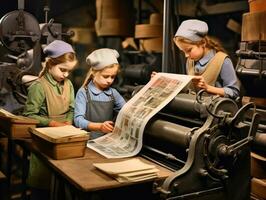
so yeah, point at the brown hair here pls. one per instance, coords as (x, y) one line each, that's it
(51, 62)
(93, 71)
(210, 42)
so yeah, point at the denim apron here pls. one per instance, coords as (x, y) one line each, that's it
(99, 111)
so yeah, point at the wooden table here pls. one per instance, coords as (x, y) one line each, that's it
(78, 171)
(14, 127)
(84, 181)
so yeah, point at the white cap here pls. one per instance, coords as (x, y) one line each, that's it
(57, 48)
(101, 58)
(192, 29)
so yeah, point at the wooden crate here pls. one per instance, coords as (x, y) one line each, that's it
(61, 149)
(17, 127)
(258, 188)
(258, 166)
(253, 27)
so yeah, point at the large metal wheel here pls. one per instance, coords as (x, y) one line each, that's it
(19, 31)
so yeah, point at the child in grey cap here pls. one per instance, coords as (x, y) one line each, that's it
(96, 101)
(207, 61)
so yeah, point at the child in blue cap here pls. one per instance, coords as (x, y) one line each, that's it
(207, 61)
(96, 101)
(50, 101)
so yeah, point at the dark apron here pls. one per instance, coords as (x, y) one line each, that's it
(99, 111)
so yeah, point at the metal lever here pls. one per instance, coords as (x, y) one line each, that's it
(55, 34)
(11, 56)
(49, 27)
(239, 116)
(232, 149)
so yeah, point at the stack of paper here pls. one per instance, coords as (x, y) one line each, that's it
(61, 133)
(131, 170)
(7, 114)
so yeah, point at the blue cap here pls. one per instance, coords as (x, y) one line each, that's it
(192, 29)
(57, 48)
(102, 58)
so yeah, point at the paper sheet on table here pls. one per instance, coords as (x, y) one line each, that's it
(132, 165)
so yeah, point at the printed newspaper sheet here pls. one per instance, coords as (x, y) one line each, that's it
(126, 139)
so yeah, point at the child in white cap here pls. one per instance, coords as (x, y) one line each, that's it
(206, 59)
(50, 101)
(96, 101)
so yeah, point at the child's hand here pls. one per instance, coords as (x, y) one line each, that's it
(199, 82)
(107, 127)
(56, 124)
(68, 123)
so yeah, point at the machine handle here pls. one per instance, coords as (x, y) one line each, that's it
(55, 34)
(230, 150)
(239, 116)
(49, 27)
(11, 56)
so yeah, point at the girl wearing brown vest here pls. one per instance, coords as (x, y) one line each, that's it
(212, 69)
(51, 102)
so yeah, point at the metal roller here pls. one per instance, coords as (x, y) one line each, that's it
(169, 132)
(186, 105)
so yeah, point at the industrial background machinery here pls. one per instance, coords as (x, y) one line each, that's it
(23, 36)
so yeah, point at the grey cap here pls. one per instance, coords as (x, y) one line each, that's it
(57, 48)
(101, 58)
(192, 29)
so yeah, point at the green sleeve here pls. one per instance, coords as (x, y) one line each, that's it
(70, 113)
(34, 105)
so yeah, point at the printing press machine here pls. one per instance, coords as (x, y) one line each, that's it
(205, 141)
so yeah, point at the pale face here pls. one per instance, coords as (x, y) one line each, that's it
(191, 51)
(61, 71)
(103, 79)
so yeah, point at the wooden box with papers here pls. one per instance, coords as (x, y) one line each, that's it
(60, 142)
(15, 126)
